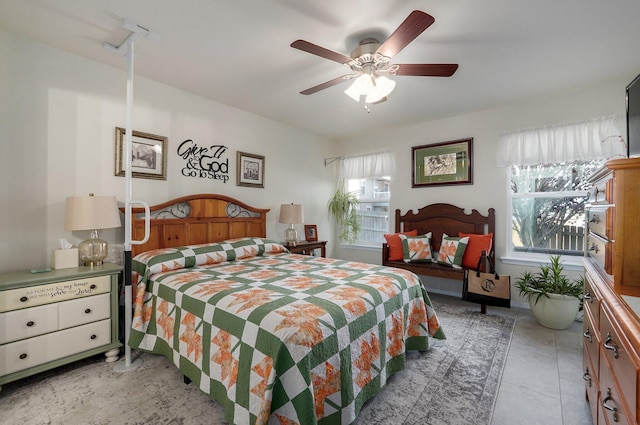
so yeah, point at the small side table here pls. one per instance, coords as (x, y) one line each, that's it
(306, 248)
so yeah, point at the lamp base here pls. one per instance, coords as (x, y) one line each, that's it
(93, 250)
(291, 236)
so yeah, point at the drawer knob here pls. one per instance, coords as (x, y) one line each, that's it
(609, 346)
(595, 219)
(587, 377)
(610, 408)
(94, 336)
(24, 299)
(594, 248)
(23, 356)
(587, 334)
(31, 323)
(93, 286)
(87, 311)
(588, 297)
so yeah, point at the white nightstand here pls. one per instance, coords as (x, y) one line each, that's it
(57, 317)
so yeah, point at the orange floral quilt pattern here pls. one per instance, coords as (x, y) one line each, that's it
(278, 337)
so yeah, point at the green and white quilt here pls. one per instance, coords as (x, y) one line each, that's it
(275, 337)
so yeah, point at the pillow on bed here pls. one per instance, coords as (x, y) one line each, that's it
(395, 244)
(477, 244)
(163, 260)
(416, 249)
(452, 250)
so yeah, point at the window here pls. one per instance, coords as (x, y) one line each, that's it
(368, 177)
(548, 168)
(547, 207)
(373, 209)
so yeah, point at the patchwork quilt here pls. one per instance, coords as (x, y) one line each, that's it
(276, 337)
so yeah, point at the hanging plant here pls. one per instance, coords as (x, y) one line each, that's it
(343, 207)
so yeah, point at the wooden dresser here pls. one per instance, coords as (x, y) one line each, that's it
(53, 318)
(611, 356)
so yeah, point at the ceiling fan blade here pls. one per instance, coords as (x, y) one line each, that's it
(314, 49)
(427, 70)
(409, 29)
(327, 84)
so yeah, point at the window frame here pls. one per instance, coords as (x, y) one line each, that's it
(364, 244)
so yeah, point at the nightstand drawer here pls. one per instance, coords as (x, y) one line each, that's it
(45, 348)
(25, 323)
(30, 296)
(84, 310)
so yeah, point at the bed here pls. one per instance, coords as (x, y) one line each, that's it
(275, 337)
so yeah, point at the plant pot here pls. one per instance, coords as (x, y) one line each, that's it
(556, 312)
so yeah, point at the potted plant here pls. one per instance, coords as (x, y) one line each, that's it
(343, 207)
(554, 298)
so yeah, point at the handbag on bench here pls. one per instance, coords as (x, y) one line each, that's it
(486, 288)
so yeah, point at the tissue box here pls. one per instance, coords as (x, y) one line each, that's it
(65, 258)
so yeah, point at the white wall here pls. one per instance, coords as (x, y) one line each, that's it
(489, 182)
(58, 119)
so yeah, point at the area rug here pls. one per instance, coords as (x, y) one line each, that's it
(455, 383)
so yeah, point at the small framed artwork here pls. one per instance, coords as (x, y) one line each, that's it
(148, 155)
(250, 170)
(310, 232)
(443, 163)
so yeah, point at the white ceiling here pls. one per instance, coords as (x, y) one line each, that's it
(237, 51)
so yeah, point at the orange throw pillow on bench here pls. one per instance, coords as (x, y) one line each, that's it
(477, 244)
(395, 245)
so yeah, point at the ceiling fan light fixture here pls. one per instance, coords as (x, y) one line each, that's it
(382, 87)
(361, 86)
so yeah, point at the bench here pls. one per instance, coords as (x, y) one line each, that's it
(439, 219)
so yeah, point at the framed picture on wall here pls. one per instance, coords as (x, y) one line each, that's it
(148, 155)
(310, 232)
(250, 170)
(443, 163)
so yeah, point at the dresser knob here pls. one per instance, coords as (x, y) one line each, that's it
(94, 336)
(93, 286)
(23, 356)
(587, 377)
(87, 311)
(24, 299)
(612, 347)
(587, 334)
(31, 323)
(610, 408)
(594, 248)
(588, 297)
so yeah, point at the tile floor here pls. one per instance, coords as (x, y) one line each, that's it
(542, 380)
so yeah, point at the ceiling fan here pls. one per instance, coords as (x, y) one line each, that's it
(370, 62)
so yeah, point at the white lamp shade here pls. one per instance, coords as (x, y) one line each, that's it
(91, 213)
(291, 214)
(383, 87)
(360, 87)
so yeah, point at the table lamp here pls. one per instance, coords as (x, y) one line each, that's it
(291, 214)
(92, 213)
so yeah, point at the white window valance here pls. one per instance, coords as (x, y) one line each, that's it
(370, 165)
(598, 138)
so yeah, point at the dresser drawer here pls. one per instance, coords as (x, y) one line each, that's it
(28, 322)
(591, 383)
(615, 349)
(601, 250)
(30, 296)
(591, 300)
(591, 340)
(611, 396)
(31, 352)
(602, 191)
(84, 310)
(601, 221)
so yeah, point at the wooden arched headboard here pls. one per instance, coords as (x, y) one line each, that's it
(197, 219)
